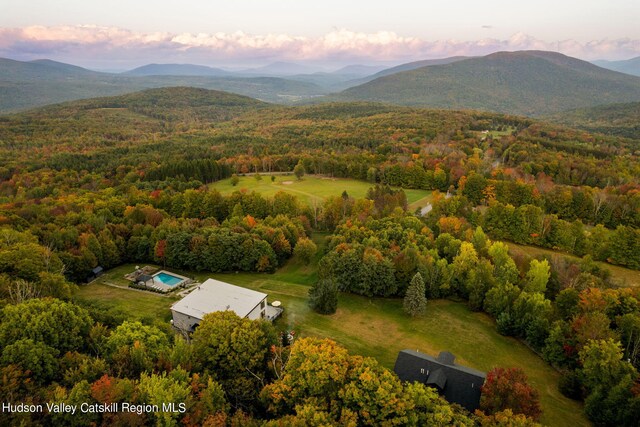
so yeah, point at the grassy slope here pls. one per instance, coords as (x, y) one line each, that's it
(311, 187)
(373, 327)
(379, 328)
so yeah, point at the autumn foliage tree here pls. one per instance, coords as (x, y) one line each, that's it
(304, 250)
(508, 388)
(235, 352)
(324, 385)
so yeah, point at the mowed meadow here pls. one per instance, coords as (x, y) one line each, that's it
(311, 187)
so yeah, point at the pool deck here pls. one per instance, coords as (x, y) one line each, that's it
(163, 287)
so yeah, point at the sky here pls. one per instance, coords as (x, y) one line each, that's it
(125, 33)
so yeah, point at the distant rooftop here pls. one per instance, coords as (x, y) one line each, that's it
(214, 295)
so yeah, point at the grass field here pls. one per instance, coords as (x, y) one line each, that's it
(313, 187)
(373, 327)
(379, 328)
(620, 275)
(110, 290)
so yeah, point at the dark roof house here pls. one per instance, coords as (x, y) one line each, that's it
(458, 384)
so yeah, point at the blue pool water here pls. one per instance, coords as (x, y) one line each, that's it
(167, 279)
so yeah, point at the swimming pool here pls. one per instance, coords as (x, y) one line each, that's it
(168, 279)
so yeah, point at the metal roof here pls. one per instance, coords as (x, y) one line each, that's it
(214, 295)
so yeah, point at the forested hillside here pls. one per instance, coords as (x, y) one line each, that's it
(615, 119)
(126, 179)
(530, 83)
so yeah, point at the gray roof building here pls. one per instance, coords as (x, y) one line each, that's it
(144, 278)
(214, 295)
(458, 384)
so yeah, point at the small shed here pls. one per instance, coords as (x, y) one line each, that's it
(95, 273)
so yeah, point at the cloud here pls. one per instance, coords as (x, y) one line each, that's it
(87, 43)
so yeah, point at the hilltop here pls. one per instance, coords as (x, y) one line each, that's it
(176, 70)
(158, 100)
(530, 83)
(416, 64)
(133, 117)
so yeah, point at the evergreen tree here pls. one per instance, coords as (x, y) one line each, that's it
(323, 296)
(415, 301)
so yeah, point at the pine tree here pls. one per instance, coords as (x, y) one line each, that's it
(415, 301)
(323, 296)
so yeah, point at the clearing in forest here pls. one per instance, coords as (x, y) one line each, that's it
(312, 187)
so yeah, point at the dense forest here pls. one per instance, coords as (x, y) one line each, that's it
(107, 181)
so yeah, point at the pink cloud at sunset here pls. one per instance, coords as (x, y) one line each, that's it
(89, 43)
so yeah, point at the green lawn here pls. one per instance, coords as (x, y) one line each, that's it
(379, 328)
(110, 290)
(373, 327)
(312, 187)
(620, 275)
(140, 305)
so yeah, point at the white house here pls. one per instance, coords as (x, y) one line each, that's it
(214, 295)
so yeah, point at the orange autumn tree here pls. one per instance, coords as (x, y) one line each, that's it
(508, 388)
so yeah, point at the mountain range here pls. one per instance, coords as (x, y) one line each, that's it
(333, 81)
(629, 66)
(25, 85)
(531, 83)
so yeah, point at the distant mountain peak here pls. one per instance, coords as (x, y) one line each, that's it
(176, 70)
(522, 82)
